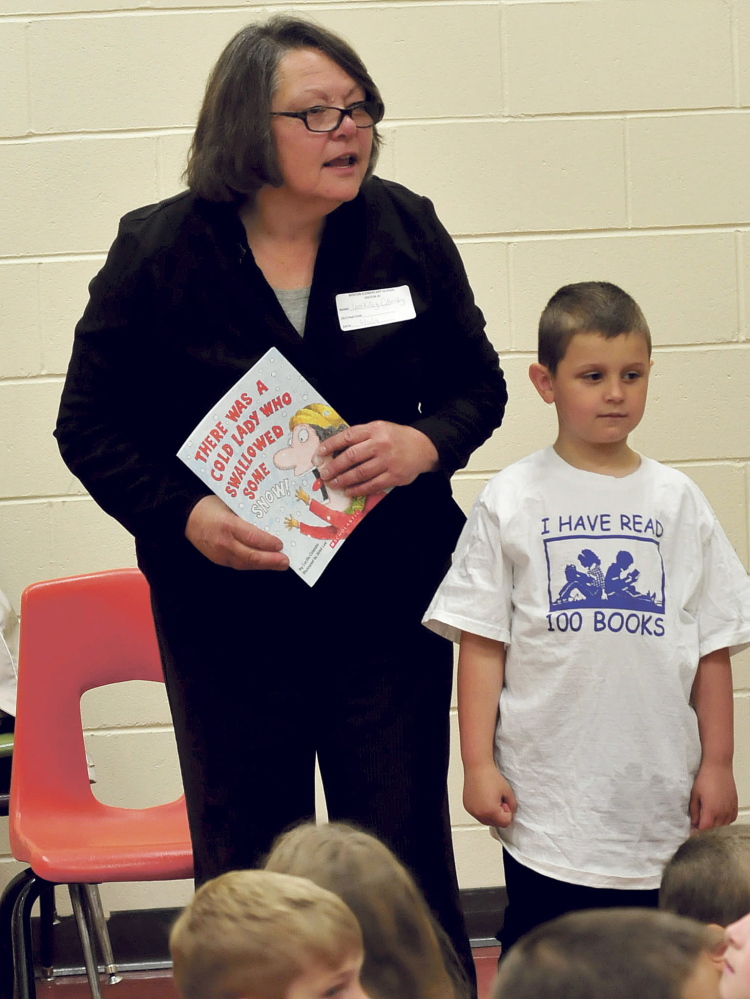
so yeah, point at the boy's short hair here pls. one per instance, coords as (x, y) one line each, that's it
(252, 933)
(605, 954)
(586, 307)
(708, 877)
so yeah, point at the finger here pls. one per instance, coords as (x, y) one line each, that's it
(243, 558)
(344, 439)
(353, 457)
(252, 537)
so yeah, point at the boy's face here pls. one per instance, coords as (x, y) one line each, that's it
(599, 389)
(735, 978)
(320, 982)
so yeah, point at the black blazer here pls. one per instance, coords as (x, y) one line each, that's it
(180, 310)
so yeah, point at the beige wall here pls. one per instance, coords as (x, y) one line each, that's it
(560, 141)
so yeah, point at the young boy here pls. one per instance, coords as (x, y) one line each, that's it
(735, 978)
(613, 954)
(263, 935)
(614, 728)
(708, 878)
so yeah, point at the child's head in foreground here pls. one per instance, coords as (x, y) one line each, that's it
(406, 953)
(708, 877)
(593, 363)
(612, 954)
(263, 935)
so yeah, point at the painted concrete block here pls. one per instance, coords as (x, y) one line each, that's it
(723, 486)
(21, 355)
(486, 263)
(689, 169)
(104, 178)
(132, 704)
(510, 176)
(479, 858)
(142, 70)
(63, 294)
(694, 410)
(14, 77)
(629, 55)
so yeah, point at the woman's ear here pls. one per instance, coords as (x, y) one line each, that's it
(542, 381)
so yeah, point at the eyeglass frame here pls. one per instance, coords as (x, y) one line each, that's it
(343, 113)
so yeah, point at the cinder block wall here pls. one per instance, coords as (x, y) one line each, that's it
(560, 141)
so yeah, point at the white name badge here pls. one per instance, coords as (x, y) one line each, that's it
(359, 309)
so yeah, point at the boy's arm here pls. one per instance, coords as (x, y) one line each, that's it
(713, 801)
(481, 667)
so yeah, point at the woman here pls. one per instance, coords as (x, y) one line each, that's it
(282, 216)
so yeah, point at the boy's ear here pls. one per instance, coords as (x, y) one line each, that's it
(542, 381)
(716, 951)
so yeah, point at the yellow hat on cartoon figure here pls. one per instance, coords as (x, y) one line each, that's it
(316, 415)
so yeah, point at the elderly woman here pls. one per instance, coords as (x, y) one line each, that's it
(283, 217)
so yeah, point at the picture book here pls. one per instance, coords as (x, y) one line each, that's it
(256, 450)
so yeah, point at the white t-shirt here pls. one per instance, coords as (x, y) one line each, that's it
(606, 592)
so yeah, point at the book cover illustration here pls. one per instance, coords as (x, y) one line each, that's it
(256, 450)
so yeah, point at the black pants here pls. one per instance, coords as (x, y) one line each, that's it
(262, 678)
(535, 898)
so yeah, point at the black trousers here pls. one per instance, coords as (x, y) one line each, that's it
(535, 898)
(264, 674)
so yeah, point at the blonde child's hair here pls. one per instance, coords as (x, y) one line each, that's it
(252, 933)
(406, 953)
(606, 954)
(708, 877)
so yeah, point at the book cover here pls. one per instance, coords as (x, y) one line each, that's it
(255, 449)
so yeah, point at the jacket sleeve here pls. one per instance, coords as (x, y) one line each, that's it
(465, 395)
(108, 426)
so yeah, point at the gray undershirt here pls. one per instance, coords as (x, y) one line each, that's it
(294, 303)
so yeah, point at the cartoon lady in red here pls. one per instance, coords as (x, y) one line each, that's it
(310, 426)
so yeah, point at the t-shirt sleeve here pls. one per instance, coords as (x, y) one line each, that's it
(475, 595)
(723, 611)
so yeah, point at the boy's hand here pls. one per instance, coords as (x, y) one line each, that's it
(713, 800)
(488, 796)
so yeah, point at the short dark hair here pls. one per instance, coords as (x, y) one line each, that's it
(605, 954)
(708, 877)
(587, 307)
(232, 153)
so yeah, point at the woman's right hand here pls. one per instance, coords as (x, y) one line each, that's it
(227, 539)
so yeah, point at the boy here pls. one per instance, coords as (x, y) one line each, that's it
(708, 878)
(614, 728)
(612, 954)
(735, 978)
(263, 935)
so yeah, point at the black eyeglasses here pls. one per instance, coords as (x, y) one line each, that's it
(364, 114)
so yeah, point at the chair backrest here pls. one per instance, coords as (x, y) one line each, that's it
(76, 634)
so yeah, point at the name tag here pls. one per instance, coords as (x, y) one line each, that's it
(359, 309)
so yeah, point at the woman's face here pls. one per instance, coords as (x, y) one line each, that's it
(318, 168)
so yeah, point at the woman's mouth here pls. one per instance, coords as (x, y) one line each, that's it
(346, 160)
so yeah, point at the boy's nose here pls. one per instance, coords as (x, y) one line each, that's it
(613, 389)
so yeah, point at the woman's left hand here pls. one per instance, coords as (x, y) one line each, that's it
(375, 456)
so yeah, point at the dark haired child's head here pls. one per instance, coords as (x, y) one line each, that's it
(594, 362)
(263, 935)
(708, 877)
(612, 954)
(587, 307)
(406, 952)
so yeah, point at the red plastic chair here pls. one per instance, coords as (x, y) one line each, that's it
(76, 634)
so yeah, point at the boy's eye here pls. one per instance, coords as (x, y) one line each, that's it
(631, 376)
(592, 376)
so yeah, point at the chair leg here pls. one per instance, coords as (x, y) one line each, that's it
(23, 958)
(94, 900)
(7, 905)
(47, 920)
(80, 910)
